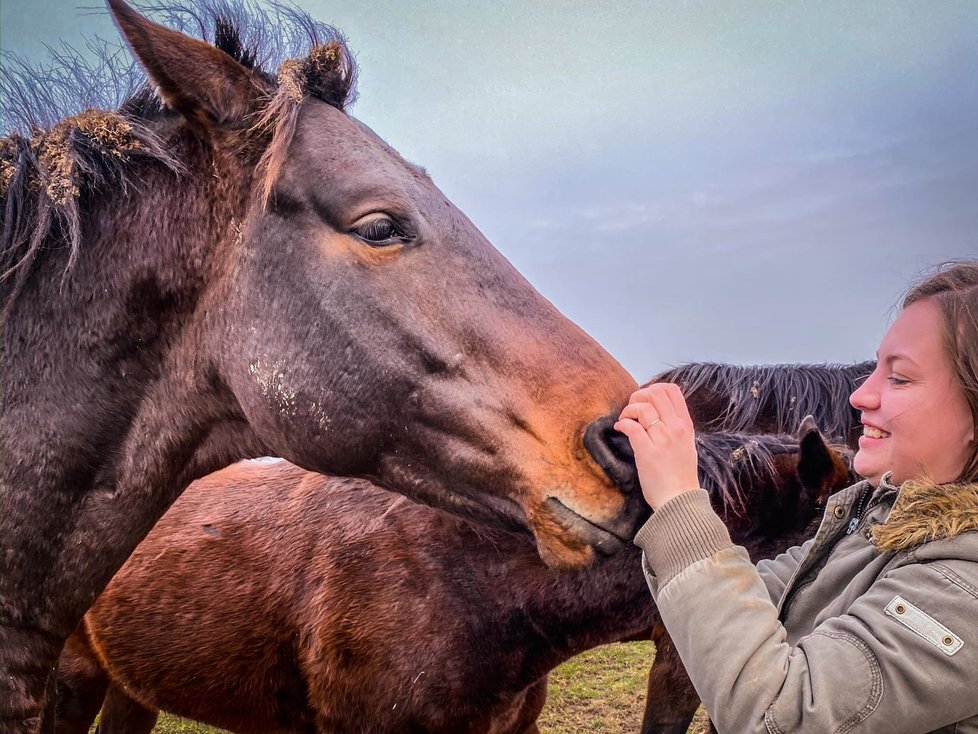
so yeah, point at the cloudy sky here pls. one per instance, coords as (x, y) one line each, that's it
(735, 181)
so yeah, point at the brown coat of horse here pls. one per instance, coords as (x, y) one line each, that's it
(239, 268)
(270, 599)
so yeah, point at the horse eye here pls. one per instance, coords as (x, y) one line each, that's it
(379, 232)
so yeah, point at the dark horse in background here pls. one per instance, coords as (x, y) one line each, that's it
(269, 599)
(239, 268)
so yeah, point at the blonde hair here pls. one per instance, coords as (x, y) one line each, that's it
(953, 286)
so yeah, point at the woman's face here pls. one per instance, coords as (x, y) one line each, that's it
(915, 418)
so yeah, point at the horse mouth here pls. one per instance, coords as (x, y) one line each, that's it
(601, 539)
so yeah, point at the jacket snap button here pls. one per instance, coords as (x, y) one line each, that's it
(900, 609)
(840, 511)
(948, 641)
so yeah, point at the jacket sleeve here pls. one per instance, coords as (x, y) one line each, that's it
(866, 671)
(776, 572)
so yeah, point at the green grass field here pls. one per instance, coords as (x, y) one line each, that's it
(599, 692)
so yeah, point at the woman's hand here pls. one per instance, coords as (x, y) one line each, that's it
(660, 431)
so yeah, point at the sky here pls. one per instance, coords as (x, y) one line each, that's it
(747, 182)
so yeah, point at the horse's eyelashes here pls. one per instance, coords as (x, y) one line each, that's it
(380, 231)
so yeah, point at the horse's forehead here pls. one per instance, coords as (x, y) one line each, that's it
(329, 134)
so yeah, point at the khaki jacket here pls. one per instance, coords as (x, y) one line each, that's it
(870, 631)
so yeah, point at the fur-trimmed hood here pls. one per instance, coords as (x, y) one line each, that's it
(925, 511)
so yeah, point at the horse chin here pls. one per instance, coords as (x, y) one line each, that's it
(558, 555)
(566, 539)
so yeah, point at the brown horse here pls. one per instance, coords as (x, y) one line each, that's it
(771, 398)
(239, 268)
(269, 599)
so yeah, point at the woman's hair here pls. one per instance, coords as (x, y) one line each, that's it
(953, 286)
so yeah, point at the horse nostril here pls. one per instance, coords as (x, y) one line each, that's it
(613, 453)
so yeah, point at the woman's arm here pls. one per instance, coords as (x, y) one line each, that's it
(776, 572)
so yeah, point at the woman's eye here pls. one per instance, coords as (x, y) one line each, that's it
(379, 232)
(897, 381)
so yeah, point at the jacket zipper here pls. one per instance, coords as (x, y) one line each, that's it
(853, 525)
(860, 510)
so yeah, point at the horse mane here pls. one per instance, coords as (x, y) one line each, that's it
(729, 461)
(88, 120)
(792, 390)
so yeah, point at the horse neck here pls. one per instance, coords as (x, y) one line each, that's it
(109, 408)
(108, 353)
(573, 611)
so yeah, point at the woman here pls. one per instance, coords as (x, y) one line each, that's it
(871, 626)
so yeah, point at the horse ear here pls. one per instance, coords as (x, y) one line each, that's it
(816, 463)
(806, 426)
(203, 83)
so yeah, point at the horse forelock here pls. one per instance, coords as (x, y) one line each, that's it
(327, 73)
(795, 390)
(60, 139)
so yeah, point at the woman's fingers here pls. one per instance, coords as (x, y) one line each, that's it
(657, 424)
(639, 439)
(668, 401)
(657, 396)
(677, 401)
(643, 413)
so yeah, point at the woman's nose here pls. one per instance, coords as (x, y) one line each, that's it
(866, 396)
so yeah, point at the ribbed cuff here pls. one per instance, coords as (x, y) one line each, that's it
(680, 533)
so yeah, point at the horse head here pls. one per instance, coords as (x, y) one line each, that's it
(361, 324)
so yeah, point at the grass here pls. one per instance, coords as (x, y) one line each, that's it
(602, 690)
(173, 725)
(599, 692)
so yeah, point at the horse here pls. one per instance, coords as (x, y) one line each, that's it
(269, 599)
(233, 266)
(771, 398)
